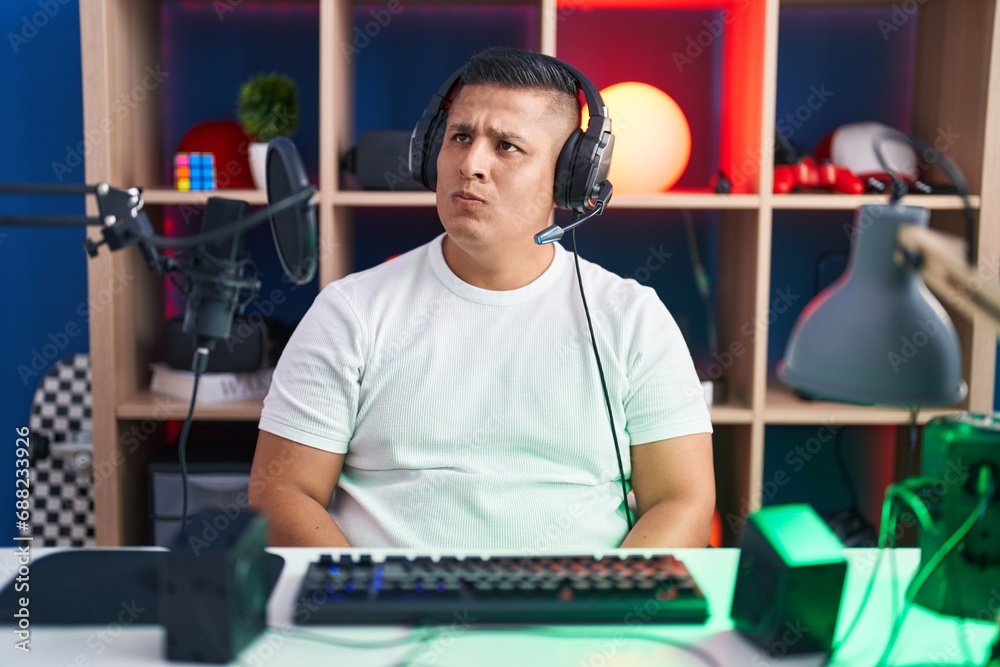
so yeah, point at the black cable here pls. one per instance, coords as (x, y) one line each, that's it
(914, 437)
(198, 365)
(604, 384)
(949, 167)
(702, 280)
(852, 488)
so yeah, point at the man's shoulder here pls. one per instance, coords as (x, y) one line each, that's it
(611, 283)
(384, 278)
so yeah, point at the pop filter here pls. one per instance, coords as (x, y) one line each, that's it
(294, 228)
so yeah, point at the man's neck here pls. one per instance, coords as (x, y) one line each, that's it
(498, 269)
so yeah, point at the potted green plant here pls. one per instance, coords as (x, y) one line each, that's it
(268, 108)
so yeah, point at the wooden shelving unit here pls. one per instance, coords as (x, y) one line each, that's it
(956, 84)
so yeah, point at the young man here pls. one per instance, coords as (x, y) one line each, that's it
(451, 397)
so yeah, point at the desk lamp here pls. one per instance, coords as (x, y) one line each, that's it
(878, 336)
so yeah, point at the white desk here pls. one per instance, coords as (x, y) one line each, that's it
(925, 637)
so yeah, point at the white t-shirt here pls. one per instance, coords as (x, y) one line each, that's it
(474, 419)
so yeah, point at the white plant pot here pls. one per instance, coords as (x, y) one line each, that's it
(258, 164)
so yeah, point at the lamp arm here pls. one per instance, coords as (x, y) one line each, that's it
(941, 260)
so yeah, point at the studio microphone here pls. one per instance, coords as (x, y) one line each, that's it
(555, 232)
(215, 276)
(216, 273)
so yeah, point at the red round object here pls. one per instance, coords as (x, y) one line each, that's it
(231, 146)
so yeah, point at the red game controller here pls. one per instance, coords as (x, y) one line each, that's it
(806, 174)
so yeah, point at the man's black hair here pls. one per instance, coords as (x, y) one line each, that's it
(516, 68)
(508, 67)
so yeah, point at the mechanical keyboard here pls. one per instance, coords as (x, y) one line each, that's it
(507, 589)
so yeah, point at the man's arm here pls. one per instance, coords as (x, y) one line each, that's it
(674, 484)
(292, 484)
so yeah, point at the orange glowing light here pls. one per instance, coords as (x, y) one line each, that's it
(652, 138)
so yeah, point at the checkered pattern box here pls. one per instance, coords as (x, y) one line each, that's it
(194, 171)
(62, 512)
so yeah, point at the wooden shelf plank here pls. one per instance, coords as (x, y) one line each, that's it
(781, 406)
(683, 200)
(679, 200)
(667, 200)
(159, 407)
(147, 405)
(197, 198)
(824, 201)
(731, 414)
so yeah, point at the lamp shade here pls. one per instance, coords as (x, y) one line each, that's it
(877, 335)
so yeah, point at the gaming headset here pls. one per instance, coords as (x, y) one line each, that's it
(581, 183)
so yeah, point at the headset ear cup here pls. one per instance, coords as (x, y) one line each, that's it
(563, 187)
(435, 139)
(584, 170)
(428, 135)
(425, 144)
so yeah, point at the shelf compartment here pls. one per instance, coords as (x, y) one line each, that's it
(209, 56)
(708, 56)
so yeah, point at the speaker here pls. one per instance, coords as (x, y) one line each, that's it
(381, 160)
(581, 168)
(213, 587)
(790, 581)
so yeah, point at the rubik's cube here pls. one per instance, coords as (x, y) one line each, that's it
(194, 171)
